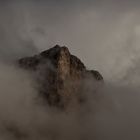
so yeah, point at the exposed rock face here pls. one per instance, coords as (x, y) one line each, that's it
(60, 75)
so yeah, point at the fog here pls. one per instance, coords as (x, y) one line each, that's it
(104, 34)
(96, 31)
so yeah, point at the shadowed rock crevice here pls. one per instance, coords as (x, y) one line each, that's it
(60, 76)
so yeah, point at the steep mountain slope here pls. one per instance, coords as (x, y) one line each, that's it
(61, 77)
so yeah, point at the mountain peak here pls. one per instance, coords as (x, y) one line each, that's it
(60, 75)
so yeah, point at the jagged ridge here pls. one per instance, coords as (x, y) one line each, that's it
(60, 75)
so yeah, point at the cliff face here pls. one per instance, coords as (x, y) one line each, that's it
(60, 76)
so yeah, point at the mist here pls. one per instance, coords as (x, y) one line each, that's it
(104, 35)
(95, 31)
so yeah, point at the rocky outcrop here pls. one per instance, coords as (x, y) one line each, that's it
(61, 77)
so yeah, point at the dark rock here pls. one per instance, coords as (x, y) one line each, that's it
(60, 76)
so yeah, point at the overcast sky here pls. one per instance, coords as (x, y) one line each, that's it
(103, 33)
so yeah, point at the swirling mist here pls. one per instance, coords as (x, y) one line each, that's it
(104, 34)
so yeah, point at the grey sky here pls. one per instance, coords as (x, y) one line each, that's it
(103, 33)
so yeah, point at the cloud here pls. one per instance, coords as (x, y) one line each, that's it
(96, 31)
(114, 113)
(104, 34)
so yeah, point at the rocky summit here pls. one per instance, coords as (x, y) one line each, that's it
(61, 77)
